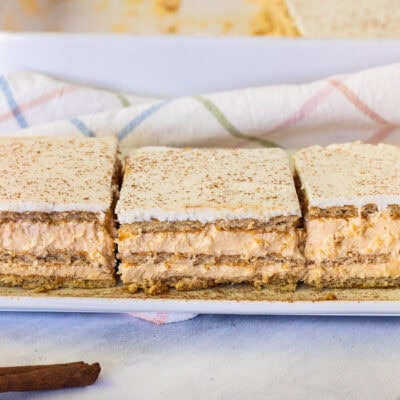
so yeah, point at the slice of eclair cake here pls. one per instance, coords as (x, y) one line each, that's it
(196, 218)
(56, 211)
(351, 201)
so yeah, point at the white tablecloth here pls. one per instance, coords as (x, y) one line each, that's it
(212, 357)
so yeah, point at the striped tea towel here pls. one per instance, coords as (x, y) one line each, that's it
(360, 106)
(159, 318)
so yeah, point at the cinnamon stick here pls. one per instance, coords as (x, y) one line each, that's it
(45, 377)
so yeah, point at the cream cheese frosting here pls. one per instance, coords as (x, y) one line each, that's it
(329, 239)
(212, 241)
(206, 185)
(42, 239)
(350, 174)
(224, 273)
(56, 174)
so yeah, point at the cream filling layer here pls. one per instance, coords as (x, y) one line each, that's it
(70, 271)
(341, 273)
(43, 238)
(334, 238)
(212, 241)
(222, 273)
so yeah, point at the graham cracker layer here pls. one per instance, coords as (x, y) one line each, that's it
(351, 211)
(356, 258)
(154, 287)
(48, 283)
(359, 283)
(198, 259)
(61, 259)
(230, 293)
(248, 224)
(52, 217)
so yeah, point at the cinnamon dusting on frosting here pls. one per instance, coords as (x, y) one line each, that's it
(56, 174)
(206, 185)
(350, 174)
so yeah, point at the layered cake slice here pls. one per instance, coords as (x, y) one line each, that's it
(56, 211)
(195, 218)
(351, 199)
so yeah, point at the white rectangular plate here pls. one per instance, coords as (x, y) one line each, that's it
(344, 308)
(240, 299)
(173, 66)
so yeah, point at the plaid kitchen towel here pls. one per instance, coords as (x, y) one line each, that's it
(160, 318)
(360, 106)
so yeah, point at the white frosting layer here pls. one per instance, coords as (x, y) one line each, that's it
(48, 207)
(350, 174)
(56, 174)
(206, 185)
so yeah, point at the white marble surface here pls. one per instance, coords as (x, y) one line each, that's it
(213, 357)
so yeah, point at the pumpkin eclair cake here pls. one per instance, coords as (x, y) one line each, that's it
(351, 199)
(56, 211)
(196, 218)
